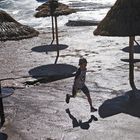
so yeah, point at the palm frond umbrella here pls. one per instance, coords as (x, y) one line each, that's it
(53, 9)
(10, 29)
(123, 19)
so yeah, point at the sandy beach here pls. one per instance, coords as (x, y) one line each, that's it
(38, 112)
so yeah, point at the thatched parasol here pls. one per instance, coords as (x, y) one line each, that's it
(123, 19)
(10, 29)
(54, 9)
(59, 9)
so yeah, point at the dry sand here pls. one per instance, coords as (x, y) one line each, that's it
(38, 112)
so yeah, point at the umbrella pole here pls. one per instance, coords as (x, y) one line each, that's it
(131, 62)
(1, 109)
(52, 30)
(57, 43)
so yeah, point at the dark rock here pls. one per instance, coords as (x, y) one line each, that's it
(82, 23)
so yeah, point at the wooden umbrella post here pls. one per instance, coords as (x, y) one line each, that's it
(57, 42)
(56, 30)
(52, 30)
(131, 62)
(2, 116)
(54, 9)
(0, 87)
(53, 4)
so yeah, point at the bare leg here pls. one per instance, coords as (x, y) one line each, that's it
(86, 92)
(92, 109)
(68, 96)
(89, 100)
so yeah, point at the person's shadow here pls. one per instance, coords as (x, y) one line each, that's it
(3, 136)
(82, 125)
(129, 103)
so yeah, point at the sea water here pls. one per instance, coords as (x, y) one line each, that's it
(24, 10)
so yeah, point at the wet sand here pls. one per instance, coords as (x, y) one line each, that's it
(38, 112)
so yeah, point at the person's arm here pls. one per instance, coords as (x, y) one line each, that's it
(77, 74)
(90, 71)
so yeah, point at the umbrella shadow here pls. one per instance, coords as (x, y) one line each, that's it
(136, 49)
(3, 136)
(51, 72)
(49, 48)
(82, 125)
(128, 60)
(129, 103)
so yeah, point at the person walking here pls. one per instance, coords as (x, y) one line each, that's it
(79, 83)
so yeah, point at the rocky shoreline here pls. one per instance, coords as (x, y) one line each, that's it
(82, 23)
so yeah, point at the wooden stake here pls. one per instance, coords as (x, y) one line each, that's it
(2, 116)
(57, 42)
(131, 62)
(52, 30)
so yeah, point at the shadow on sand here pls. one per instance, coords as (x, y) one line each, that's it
(129, 103)
(82, 125)
(134, 60)
(3, 136)
(49, 48)
(51, 72)
(136, 49)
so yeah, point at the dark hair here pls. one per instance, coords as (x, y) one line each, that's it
(82, 60)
